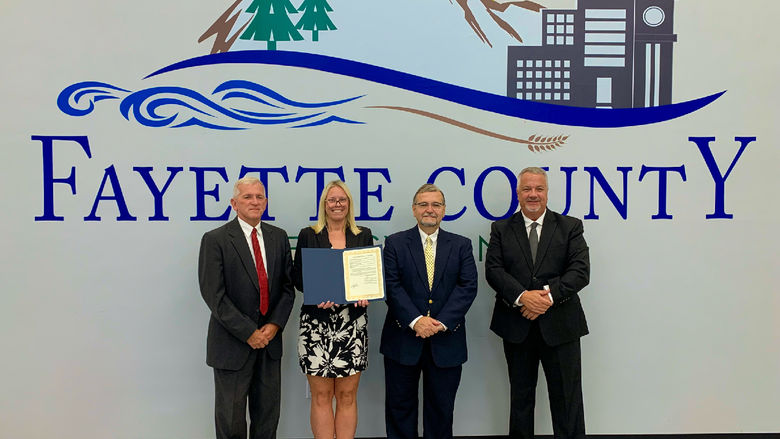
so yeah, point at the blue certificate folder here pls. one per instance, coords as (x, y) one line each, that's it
(323, 275)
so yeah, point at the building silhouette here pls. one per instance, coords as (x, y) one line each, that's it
(604, 54)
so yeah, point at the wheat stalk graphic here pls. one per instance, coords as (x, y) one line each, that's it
(539, 143)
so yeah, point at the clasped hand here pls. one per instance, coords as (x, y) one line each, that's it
(535, 303)
(329, 304)
(261, 337)
(426, 326)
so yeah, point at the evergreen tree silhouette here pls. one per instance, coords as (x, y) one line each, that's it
(315, 17)
(271, 22)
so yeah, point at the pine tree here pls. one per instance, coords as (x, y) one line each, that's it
(315, 17)
(271, 22)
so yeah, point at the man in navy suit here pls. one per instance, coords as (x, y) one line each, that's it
(245, 274)
(431, 282)
(538, 262)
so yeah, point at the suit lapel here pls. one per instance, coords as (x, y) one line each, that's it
(418, 256)
(351, 240)
(323, 239)
(238, 240)
(548, 230)
(443, 250)
(518, 227)
(269, 242)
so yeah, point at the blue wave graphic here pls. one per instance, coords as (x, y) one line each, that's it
(233, 105)
(79, 99)
(536, 111)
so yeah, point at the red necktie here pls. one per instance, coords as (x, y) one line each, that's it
(262, 277)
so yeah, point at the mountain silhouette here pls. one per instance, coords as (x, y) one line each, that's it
(493, 7)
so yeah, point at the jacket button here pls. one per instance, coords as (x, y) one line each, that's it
(430, 301)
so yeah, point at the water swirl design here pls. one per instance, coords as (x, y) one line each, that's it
(233, 105)
(240, 104)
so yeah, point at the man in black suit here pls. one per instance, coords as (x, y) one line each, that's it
(245, 278)
(431, 282)
(537, 262)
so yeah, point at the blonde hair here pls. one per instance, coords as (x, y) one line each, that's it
(322, 220)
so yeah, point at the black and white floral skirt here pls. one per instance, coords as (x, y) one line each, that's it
(335, 347)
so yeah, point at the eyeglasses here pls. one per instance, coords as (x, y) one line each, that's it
(335, 201)
(425, 204)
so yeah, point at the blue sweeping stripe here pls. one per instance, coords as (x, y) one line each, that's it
(529, 110)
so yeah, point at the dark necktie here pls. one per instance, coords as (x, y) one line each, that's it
(262, 277)
(533, 240)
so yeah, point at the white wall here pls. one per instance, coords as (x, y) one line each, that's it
(102, 328)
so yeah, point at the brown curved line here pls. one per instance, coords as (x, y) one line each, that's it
(458, 124)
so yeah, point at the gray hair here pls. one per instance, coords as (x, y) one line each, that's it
(428, 187)
(246, 180)
(531, 170)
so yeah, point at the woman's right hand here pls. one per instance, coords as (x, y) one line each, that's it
(326, 305)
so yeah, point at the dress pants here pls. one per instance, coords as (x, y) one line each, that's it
(440, 385)
(257, 381)
(562, 370)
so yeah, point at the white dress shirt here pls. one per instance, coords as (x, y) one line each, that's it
(247, 229)
(539, 221)
(434, 238)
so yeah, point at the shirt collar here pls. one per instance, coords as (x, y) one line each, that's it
(434, 236)
(247, 229)
(529, 221)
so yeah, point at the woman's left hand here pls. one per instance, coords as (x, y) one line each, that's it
(363, 303)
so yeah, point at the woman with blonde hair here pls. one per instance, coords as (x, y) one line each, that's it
(333, 339)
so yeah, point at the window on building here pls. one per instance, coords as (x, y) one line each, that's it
(560, 30)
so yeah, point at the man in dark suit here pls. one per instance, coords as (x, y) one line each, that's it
(537, 262)
(245, 278)
(431, 282)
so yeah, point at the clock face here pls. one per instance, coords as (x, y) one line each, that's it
(653, 16)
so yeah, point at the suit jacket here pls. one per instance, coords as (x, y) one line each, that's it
(408, 296)
(308, 239)
(562, 262)
(229, 285)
